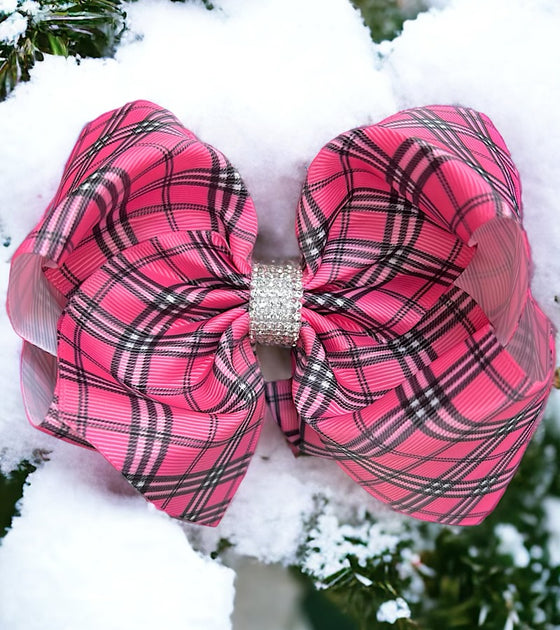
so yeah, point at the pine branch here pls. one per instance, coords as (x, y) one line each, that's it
(385, 18)
(84, 28)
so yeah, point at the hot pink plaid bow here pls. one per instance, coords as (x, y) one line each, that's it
(422, 364)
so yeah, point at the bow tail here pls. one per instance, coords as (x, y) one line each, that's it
(445, 444)
(187, 463)
(301, 437)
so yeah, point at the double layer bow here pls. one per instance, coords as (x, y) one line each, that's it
(421, 363)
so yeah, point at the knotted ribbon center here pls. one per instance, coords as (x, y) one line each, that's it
(275, 304)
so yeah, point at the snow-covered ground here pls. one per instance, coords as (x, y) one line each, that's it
(268, 82)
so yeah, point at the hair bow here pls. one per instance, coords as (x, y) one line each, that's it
(421, 363)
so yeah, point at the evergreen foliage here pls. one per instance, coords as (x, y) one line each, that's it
(385, 18)
(83, 28)
(11, 489)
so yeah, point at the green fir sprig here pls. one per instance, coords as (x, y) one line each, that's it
(84, 28)
(385, 18)
(30, 29)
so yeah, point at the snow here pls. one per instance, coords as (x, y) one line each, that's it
(511, 543)
(552, 511)
(331, 542)
(392, 610)
(31, 7)
(12, 28)
(8, 6)
(87, 553)
(268, 82)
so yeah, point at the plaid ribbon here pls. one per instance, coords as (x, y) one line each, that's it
(423, 363)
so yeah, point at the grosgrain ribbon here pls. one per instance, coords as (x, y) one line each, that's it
(421, 364)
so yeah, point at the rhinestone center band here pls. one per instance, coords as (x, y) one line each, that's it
(275, 304)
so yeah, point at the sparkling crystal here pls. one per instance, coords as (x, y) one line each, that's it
(275, 304)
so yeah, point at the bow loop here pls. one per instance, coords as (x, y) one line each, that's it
(454, 163)
(416, 300)
(154, 317)
(141, 264)
(134, 173)
(392, 217)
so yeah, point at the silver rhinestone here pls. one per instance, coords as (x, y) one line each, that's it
(275, 304)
